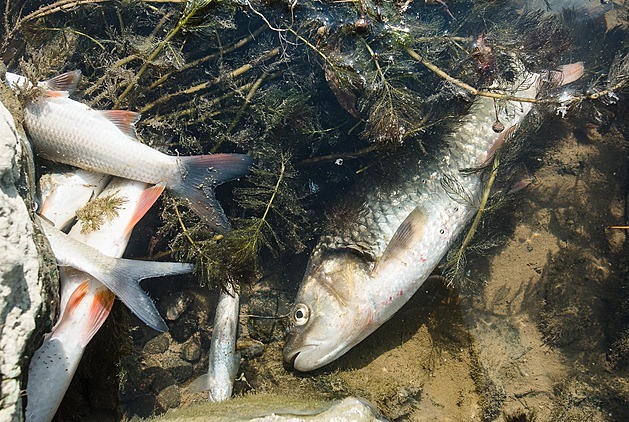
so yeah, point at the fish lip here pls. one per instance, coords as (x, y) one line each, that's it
(291, 356)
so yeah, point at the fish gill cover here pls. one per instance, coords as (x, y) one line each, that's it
(321, 93)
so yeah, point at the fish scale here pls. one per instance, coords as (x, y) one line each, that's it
(58, 127)
(369, 262)
(69, 132)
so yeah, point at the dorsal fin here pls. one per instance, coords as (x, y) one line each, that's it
(124, 120)
(409, 233)
(64, 82)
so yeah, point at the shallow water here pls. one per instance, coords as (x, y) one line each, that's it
(537, 330)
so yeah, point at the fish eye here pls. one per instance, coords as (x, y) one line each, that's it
(301, 314)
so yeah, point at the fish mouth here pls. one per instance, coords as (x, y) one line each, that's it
(290, 356)
(306, 358)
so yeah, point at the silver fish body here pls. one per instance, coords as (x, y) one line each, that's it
(121, 276)
(70, 132)
(62, 194)
(103, 141)
(370, 262)
(85, 302)
(223, 358)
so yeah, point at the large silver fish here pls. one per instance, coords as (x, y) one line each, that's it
(103, 141)
(370, 262)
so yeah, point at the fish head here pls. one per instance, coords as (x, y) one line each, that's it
(332, 311)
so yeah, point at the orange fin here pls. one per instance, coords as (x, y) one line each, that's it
(75, 298)
(410, 232)
(147, 199)
(57, 94)
(65, 82)
(99, 311)
(571, 72)
(565, 74)
(124, 120)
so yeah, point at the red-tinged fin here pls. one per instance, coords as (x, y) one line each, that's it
(147, 199)
(73, 302)
(57, 94)
(124, 120)
(502, 139)
(200, 175)
(409, 233)
(65, 82)
(99, 311)
(571, 72)
(565, 74)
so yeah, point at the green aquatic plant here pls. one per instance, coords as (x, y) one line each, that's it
(98, 211)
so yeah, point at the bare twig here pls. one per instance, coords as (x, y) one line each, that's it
(199, 87)
(197, 62)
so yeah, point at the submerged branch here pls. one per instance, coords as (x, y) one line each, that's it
(197, 62)
(469, 88)
(199, 87)
(460, 255)
(234, 122)
(183, 21)
(332, 157)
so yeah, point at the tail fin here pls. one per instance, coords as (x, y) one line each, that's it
(123, 279)
(201, 174)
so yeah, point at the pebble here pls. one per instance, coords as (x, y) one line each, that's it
(177, 306)
(191, 350)
(156, 345)
(169, 398)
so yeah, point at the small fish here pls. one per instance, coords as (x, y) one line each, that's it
(373, 257)
(121, 276)
(224, 360)
(70, 132)
(85, 302)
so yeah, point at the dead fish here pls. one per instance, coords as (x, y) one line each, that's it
(121, 276)
(85, 302)
(61, 194)
(70, 132)
(224, 360)
(372, 259)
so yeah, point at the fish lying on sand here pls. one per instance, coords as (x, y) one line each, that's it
(375, 256)
(224, 360)
(70, 132)
(85, 302)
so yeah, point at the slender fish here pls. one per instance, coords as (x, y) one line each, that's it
(85, 302)
(373, 257)
(70, 132)
(224, 360)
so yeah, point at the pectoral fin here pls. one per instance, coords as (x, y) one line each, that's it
(408, 234)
